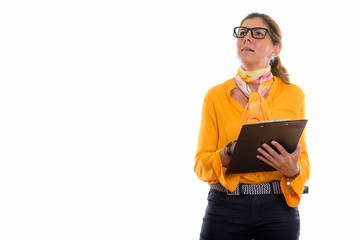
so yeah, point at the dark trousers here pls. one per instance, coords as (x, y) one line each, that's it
(249, 217)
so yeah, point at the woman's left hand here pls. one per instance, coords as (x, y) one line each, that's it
(285, 162)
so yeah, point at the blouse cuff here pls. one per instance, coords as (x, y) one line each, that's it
(294, 191)
(217, 165)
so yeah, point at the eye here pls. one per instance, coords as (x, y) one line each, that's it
(242, 33)
(259, 33)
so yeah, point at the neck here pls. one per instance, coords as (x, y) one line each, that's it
(254, 87)
(253, 67)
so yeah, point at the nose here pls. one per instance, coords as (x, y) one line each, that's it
(248, 36)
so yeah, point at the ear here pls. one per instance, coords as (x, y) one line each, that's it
(277, 50)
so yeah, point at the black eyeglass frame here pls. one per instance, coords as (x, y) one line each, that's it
(252, 32)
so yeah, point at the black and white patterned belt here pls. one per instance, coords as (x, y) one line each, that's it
(251, 189)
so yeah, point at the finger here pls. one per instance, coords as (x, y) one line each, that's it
(279, 147)
(266, 154)
(233, 147)
(298, 149)
(270, 150)
(297, 152)
(266, 161)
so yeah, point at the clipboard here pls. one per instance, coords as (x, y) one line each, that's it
(252, 136)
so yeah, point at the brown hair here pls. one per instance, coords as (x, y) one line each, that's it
(277, 68)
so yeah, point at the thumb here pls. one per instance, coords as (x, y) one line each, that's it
(297, 151)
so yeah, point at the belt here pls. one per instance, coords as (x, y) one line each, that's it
(253, 189)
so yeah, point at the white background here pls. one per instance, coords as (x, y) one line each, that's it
(100, 106)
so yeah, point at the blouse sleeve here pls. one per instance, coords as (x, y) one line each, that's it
(207, 160)
(294, 191)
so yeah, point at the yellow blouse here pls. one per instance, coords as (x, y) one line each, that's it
(219, 125)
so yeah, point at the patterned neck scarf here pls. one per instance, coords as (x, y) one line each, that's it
(262, 76)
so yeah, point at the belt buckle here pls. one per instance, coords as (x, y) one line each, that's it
(231, 193)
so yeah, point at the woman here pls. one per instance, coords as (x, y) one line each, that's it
(261, 205)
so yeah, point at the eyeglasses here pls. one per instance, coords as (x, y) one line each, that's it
(257, 32)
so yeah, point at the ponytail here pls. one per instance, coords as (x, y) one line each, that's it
(278, 70)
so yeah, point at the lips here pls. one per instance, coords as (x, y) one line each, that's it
(247, 49)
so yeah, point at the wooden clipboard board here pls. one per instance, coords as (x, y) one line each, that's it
(252, 136)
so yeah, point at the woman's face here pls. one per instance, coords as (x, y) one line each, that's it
(255, 53)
